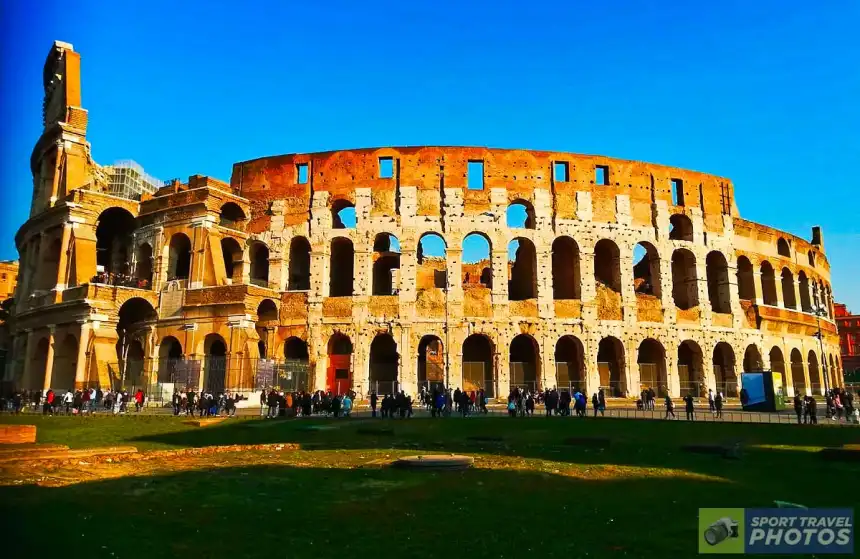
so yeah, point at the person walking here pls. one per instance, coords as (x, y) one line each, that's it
(811, 405)
(670, 407)
(798, 407)
(595, 403)
(688, 400)
(718, 404)
(601, 401)
(712, 406)
(373, 401)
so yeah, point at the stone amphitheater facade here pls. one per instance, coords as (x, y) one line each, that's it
(235, 277)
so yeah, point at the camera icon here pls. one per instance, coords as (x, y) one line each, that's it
(721, 530)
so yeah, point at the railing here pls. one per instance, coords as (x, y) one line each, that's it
(121, 280)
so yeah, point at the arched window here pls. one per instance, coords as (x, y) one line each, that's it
(432, 262)
(113, 239)
(746, 279)
(788, 296)
(341, 268)
(521, 214)
(386, 264)
(143, 265)
(260, 264)
(811, 256)
(718, 282)
(300, 265)
(267, 313)
(783, 248)
(607, 264)
(179, 259)
(522, 279)
(768, 284)
(646, 269)
(232, 253)
(680, 228)
(343, 215)
(231, 215)
(752, 359)
(565, 269)
(477, 266)
(685, 290)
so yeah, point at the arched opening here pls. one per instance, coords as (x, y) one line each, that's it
(477, 267)
(646, 270)
(300, 265)
(339, 372)
(680, 228)
(169, 359)
(752, 359)
(343, 215)
(293, 373)
(143, 266)
(114, 231)
(259, 264)
(521, 214)
(717, 271)
(811, 257)
(383, 364)
(607, 265)
(525, 363)
(522, 278)
(685, 289)
(724, 370)
(232, 253)
(690, 371)
(132, 328)
(179, 257)
(783, 248)
(478, 364)
(65, 364)
(215, 364)
(777, 365)
(768, 284)
(569, 363)
(565, 269)
(803, 284)
(610, 366)
(231, 215)
(746, 279)
(432, 262)
(431, 363)
(267, 313)
(814, 373)
(651, 359)
(798, 379)
(341, 268)
(39, 361)
(134, 365)
(788, 296)
(386, 264)
(262, 349)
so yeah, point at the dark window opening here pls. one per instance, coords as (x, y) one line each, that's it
(601, 175)
(678, 192)
(560, 171)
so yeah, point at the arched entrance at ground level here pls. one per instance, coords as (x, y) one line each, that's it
(134, 316)
(724, 370)
(134, 362)
(798, 379)
(383, 364)
(690, 372)
(478, 372)
(339, 371)
(38, 361)
(777, 365)
(525, 363)
(294, 373)
(814, 373)
(169, 357)
(569, 363)
(431, 363)
(215, 364)
(752, 359)
(65, 364)
(610, 365)
(652, 367)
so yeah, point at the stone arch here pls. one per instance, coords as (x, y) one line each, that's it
(717, 271)
(386, 264)
(65, 363)
(788, 298)
(566, 283)
(267, 313)
(520, 214)
(215, 364)
(477, 261)
(798, 379)
(746, 279)
(169, 356)
(680, 228)
(384, 361)
(611, 366)
(179, 257)
(432, 262)
(299, 278)
(134, 317)
(814, 373)
(768, 284)
(259, 254)
(777, 364)
(341, 266)
(232, 252)
(431, 363)
(230, 215)
(522, 275)
(803, 284)
(752, 359)
(685, 288)
(524, 358)
(134, 363)
(690, 368)
(343, 214)
(811, 258)
(607, 264)
(478, 359)
(651, 358)
(725, 378)
(114, 229)
(569, 363)
(647, 278)
(143, 264)
(783, 248)
(339, 370)
(296, 349)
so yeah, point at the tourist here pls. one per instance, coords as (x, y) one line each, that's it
(688, 400)
(798, 407)
(347, 405)
(138, 400)
(49, 403)
(67, 401)
(711, 404)
(652, 398)
(811, 410)
(670, 407)
(718, 404)
(601, 401)
(512, 408)
(373, 400)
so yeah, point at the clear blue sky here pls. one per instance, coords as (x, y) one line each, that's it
(766, 93)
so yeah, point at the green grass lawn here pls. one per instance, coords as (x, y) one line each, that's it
(529, 493)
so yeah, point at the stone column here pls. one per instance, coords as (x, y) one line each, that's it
(759, 288)
(587, 288)
(49, 360)
(63, 262)
(408, 374)
(702, 291)
(500, 282)
(630, 308)
(83, 354)
(543, 271)
(28, 360)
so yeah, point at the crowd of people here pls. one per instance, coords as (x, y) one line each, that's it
(73, 402)
(122, 280)
(838, 403)
(277, 403)
(205, 403)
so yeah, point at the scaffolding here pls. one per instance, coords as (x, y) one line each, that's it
(127, 179)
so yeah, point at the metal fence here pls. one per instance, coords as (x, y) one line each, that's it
(478, 375)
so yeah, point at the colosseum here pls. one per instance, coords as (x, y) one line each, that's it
(391, 268)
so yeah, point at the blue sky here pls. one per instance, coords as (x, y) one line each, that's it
(764, 92)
